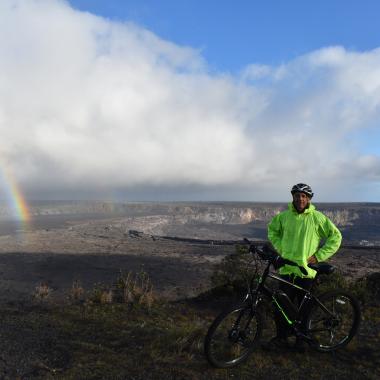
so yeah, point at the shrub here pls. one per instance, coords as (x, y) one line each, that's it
(234, 271)
(373, 284)
(366, 289)
(335, 280)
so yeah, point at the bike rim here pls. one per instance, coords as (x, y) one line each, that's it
(233, 338)
(333, 330)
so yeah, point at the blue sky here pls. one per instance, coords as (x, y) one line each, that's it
(190, 100)
(233, 34)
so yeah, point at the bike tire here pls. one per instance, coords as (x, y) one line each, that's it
(331, 332)
(233, 336)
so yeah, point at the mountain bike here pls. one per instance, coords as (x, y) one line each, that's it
(332, 318)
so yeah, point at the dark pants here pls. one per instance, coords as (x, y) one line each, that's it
(296, 296)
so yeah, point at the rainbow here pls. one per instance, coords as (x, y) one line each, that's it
(14, 196)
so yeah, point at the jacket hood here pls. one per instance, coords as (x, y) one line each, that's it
(308, 210)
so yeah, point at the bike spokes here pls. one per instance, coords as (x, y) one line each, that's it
(333, 325)
(231, 338)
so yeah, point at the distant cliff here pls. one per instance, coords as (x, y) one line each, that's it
(358, 221)
(343, 214)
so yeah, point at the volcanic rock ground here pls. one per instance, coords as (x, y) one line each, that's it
(95, 251)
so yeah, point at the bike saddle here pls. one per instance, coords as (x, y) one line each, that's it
(322, 268)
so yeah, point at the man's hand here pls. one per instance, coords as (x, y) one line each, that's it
(312, 260)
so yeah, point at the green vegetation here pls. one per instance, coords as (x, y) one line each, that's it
(234, 272)
(131, 334)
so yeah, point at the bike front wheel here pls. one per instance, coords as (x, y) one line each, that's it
(233, 336)
(334, 321)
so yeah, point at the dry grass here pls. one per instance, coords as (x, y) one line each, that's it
(76, 292)
(136, 288)
(130, 288)
(109, 339)
(114, 341)
(106, 296)
(42, 292)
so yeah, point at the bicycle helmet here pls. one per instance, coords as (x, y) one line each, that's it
(302, 188)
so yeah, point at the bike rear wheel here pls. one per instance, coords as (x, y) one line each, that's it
(335, 325)
(232, 336)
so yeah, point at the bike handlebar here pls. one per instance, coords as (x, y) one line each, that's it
(267, 253)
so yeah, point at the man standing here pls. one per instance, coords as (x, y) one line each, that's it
(296, 234)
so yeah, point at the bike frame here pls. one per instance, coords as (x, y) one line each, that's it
(326, 323)
(255, 293)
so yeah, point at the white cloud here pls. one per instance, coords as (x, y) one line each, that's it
(91, 105)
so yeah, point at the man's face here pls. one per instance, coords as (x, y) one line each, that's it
(300, 201)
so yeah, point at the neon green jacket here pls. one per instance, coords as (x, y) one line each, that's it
(298, 236)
